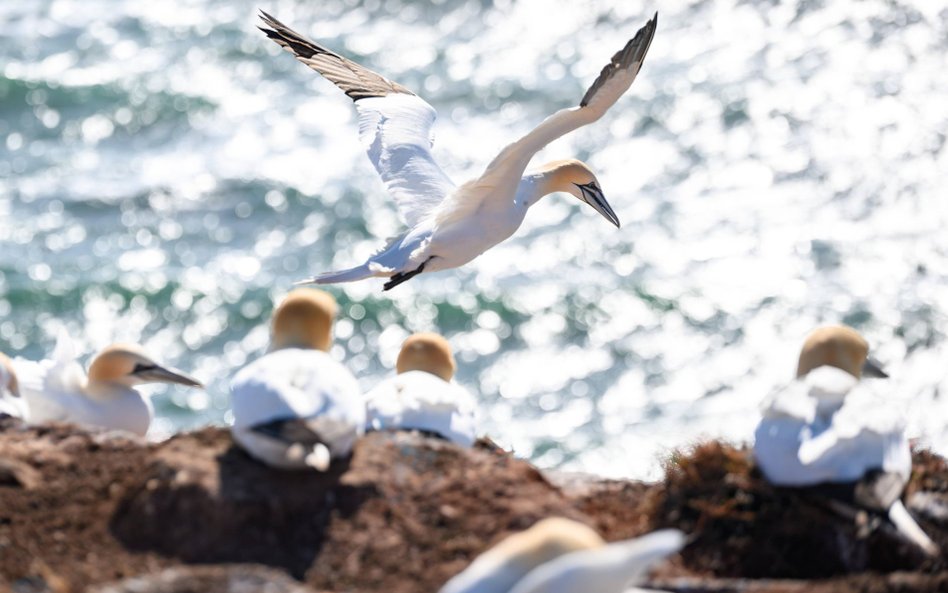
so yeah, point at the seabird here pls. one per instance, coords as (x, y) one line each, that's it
(827, 428)
(609, 569)
(421, 396)
(11, 403)
(500, 568)
(296, 407)
(57, 389)
(563, 556)
(449, 225)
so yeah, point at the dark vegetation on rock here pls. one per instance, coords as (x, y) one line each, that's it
(92, 511)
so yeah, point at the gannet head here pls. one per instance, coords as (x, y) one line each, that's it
(502, 566)
(841, 347)
(128, 365)
(12, 385)
(426, 352)
(304, 320)
(577, 178)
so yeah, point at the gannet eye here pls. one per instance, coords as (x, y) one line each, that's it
(143, 368)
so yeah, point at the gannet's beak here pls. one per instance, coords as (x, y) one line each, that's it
(872, 368)
(159, 374)
(592, 195)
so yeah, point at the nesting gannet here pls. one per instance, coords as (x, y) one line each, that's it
(296, 407)
(10, 401)
(609, 569)
(451, 225)
(57, 390)
(825, 427)
(421, 396)
(500, 568)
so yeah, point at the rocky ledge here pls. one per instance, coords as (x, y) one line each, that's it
(100, 512)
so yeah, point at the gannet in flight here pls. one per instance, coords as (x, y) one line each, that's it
(421, 396)
(296, 407)
(500, 568)
(825, 427)
(57, 390)
(10, 401)
(451, 225)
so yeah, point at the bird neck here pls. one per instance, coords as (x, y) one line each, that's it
(536, 185)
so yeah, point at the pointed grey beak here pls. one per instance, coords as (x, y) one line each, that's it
(159, 374)
(593, 196)
(872, 368)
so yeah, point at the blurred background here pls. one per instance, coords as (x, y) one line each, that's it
(166, 173)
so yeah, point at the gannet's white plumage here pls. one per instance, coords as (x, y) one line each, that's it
(421, 396)
(57, 389)
(451, 225)
(500, 568)
(827, 427)
(296, 407)
(609, 569)
(10, 401)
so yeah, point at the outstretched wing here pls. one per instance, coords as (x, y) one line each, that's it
(614, 80)
(394, 123)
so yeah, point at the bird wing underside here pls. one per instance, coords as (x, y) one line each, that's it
(357, 81)
(394, 124)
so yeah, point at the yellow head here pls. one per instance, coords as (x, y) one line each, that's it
(304, 320)
(546, 540)
(128, 365)
(12, 385)
(837, 346)
(426, 352)
(577, 178)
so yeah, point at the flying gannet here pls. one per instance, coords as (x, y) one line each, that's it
(421, 396)
(11, 403)
(827, 428)
(450, 225)
(500, 568)
(57, 389)
(296, 407)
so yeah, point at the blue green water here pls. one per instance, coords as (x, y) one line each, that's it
(166, 173)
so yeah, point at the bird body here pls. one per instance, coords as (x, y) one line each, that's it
(291, 400)
(501, 567)
(608, 569)
(11, 403)
(57, 389)
(827, 427)
(421, 401)
(421, 396)
(448, 225)
(296, 407)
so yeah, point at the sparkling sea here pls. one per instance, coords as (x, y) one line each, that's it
(167, 173)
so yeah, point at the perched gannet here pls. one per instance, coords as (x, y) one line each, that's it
(500, 568)
(57, 389)
(296, 407)
(10, 401)
(825, 427)
(421, 396)
(451, 225)
(609, 569)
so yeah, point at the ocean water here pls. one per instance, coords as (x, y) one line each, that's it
(166, 173)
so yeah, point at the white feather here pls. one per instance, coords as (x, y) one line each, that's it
(295, 383)
(422, 401)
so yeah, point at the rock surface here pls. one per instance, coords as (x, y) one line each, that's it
(101, 512)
